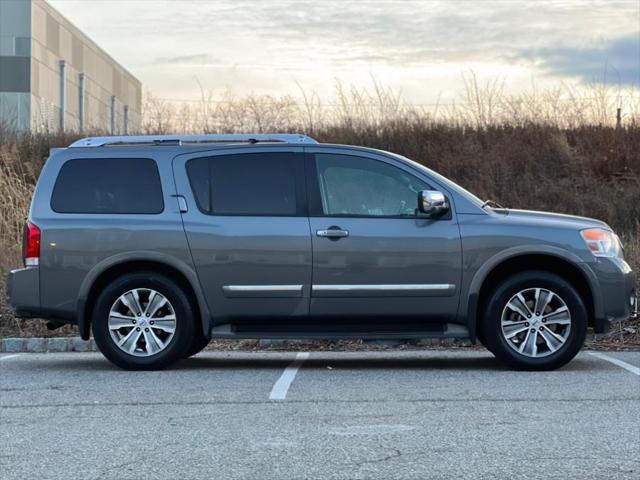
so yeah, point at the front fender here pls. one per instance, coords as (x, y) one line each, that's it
(138, 256)
(470, 298)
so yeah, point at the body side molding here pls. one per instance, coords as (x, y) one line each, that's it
(262, 291)
(389, 290)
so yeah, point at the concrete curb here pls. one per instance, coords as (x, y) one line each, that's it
(42, 345)
(424, 342)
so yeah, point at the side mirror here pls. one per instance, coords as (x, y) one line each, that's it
(433, 203)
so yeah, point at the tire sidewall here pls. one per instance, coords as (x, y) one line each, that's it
(198, 344)
(181, 339)
(492, 330)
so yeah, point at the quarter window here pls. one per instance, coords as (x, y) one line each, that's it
(108, 185)
(248, 184)
(359, 186)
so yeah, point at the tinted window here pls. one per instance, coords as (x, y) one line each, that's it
(351, 185)
(108, 185)
(249, 184)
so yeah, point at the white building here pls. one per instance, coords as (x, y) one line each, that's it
(52, 76)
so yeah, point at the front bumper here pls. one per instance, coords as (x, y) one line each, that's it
(23, 288)
(617, 284)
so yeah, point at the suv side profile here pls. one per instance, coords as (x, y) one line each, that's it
(157, 244)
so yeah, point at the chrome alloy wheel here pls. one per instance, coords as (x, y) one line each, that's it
(536, 322)
(142, 322)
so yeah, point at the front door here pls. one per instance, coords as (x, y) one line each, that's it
(248, 231)
(373, 253)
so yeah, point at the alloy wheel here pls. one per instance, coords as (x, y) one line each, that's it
(142, 322)
(536, 322)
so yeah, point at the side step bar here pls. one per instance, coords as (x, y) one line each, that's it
(229, 330)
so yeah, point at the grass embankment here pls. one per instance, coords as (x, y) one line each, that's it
(583, 170)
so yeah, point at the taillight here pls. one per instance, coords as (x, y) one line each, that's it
(31, 245)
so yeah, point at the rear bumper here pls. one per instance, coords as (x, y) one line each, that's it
(23, 289)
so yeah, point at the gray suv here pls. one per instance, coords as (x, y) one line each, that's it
(158, 244)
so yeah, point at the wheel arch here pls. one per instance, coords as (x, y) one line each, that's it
(549, 259)
(116, 266)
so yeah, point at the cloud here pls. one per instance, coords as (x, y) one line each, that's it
(615, 61)
(328, 33)
(195, 59)
(253, 45)
(411, 33)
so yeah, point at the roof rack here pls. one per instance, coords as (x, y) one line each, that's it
(192, 139)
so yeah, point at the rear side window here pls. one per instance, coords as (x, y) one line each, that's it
(108, 185)
(248, 184)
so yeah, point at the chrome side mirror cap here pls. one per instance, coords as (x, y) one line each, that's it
(433, 203)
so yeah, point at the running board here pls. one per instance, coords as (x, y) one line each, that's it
(304, 332)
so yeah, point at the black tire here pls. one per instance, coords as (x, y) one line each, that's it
(480, 338)
(184, 321)
(504, 349)
(198, 344)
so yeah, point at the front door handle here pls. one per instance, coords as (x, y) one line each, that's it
(333, 233)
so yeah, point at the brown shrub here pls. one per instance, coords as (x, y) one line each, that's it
(587, 170)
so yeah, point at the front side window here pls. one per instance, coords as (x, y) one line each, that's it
(247, 184)
(359, 186)
(108, 186)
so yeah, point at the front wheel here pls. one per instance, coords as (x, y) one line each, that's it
(534, 320)
(143, 321)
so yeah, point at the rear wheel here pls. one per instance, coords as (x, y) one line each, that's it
(534, 320)
(143, 321)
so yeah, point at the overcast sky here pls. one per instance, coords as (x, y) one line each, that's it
(420, 47)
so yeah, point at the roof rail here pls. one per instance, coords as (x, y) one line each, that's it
(192, 139)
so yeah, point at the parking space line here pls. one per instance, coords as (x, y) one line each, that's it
(615, 361)
(281, 387)
(7, 357)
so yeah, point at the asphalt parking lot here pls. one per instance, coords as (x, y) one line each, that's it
(433, 414)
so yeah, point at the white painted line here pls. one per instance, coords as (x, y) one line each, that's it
(615, 361)
(7, 357)
(281, 387)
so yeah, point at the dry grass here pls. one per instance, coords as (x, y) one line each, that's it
(16, 189)
(523, 153)
(21, 158)
(481, 104)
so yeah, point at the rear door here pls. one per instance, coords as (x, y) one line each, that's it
(247, 229)
(373, 254)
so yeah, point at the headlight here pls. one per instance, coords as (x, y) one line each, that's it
(601, 242)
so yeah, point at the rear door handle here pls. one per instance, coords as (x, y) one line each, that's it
(333, 232)
(182, 203)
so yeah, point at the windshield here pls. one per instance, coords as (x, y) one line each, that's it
(445, 181)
